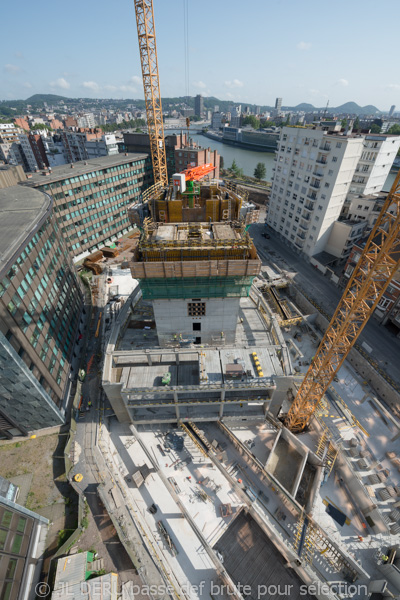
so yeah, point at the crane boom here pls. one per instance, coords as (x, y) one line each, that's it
(376, 267)
(151, 85)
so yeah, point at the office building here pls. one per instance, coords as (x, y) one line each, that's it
(195, 156)
(314, 173)
(278, 106)
(85, 144)
(40, 308)
(199, 105)
(33, 150)
(139, 142)
(22, 544)
(392, 109)
(216, 120)
(91, 198)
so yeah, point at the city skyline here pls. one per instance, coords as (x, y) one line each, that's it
(294, 58)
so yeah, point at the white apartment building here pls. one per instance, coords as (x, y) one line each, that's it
(313, 172)
(375, 163)
(316, 171)
(9, 144)
(86, 120)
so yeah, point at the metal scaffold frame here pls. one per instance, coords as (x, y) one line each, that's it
(375, 269)
(151, 85)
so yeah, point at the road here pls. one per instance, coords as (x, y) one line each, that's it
(385, 345)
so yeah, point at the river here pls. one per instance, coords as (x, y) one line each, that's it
(248, 159)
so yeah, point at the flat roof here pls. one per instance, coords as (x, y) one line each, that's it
(22, 212)
(82, 167)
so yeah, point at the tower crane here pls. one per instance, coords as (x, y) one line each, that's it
(376, 267)
(151, 85)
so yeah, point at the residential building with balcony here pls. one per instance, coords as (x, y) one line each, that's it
(91, 198)
(40, 310)
(388, 309)
(314, 168)
(376, 160)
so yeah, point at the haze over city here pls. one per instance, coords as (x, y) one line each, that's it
(303, 51)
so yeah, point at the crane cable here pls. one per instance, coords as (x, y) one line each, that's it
(186, 44)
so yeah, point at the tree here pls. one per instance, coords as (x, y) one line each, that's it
(375, 128)
(343, 123)
(395, 129)
(40, 126)
(260, 171)
(356, 124)
(234, 168)
(251, 120)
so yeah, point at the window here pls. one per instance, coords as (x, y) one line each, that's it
(339, 145)
(6, 593)
(3, 537)
(196, 309)
(6, 520)
(196, 326)
(17, 543)
(12, 563)
(334, 158)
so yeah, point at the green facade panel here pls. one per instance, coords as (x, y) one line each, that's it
(195, 287)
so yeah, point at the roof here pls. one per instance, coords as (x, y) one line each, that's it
(98, 588)
(8, 490)
(82, 167)
(71, 570)
(22, 212)
(324, 258)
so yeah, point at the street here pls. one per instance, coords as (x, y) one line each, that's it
(385, 345)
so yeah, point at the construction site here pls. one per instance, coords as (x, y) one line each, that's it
(253, 458)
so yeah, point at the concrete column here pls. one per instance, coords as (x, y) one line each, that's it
(222, 394)
(177, 357)
(221, 410)
(149, 359)
(176, 400)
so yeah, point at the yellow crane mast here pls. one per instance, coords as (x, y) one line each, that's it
(151, 85)
(376, 267)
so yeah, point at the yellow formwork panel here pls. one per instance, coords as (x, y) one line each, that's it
(162, 210)
(175, 211)
(212, 209)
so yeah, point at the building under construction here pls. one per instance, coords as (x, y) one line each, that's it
(276, 478)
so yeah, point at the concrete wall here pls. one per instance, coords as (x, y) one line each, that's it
(221, 317)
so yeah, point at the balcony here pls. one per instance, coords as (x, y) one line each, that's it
(322, 161)
(315, 184)
(309, 207)
(312, 197)
(301, 236)
(303, 226)
(325, 147)
(318, 174)
(299, 245)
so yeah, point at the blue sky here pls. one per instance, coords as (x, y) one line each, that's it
(301, 50)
